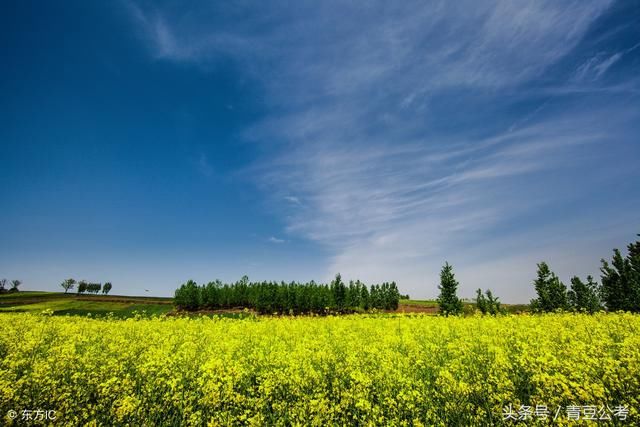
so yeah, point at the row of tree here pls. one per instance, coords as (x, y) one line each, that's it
(553, 294)
(293, 298)
(14, 286)
(619, 290)
(84, 286)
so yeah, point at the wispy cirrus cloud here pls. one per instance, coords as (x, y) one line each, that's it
(414, 131)
(596, 66)
(168, 40)
(485, 44)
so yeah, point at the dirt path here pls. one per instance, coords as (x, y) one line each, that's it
(410, 308)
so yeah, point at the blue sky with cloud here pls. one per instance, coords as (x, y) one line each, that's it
(150, 142)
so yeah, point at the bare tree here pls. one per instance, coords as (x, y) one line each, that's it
(68, 284)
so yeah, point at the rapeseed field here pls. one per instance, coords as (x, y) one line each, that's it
(350, 370)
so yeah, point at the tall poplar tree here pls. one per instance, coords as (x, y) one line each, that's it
(621, 280)
(552, 293)
(448, 300)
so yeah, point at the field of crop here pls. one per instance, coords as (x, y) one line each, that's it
(352, 370)
(73, 304)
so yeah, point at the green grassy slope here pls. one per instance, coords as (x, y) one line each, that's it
(28, 295)
(100, 305)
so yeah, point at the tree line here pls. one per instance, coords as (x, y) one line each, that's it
(84, 286)
(619, 289)
(14, 286)
(288, 298)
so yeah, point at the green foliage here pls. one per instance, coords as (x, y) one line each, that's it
(392, 297)
(481, 301)
(15, 284)
(189, 296)
(288, 298)
(82, 286)
(487, 303)
(552, 293)
(339, 291)
(493, 303)
(621, 280)
(106, 288)
(448, 300)
(94, 288)
(584, 296)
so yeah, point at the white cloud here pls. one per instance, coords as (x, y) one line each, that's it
(596, 66)
(318, 47)
(293, 200)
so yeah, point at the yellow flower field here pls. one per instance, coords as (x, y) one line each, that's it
(353, 370)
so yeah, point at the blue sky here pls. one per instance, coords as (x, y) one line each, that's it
(147, 143)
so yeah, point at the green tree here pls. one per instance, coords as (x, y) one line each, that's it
(621, 280)
(448, 300)
(584, 296)
(82, 286)
(3, 284)
(188, 296)
(15, 284)
(394, 296)
(552, 293)
(375, 298)
(481, 301)
(293, 298)
(106, 288)
(493, 303)
(339, 291)
(487, 303)
(365, 298)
